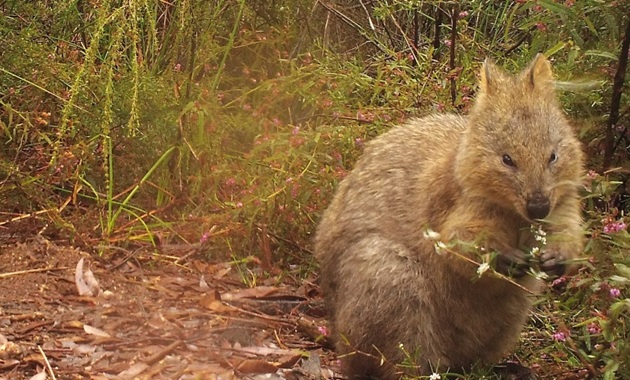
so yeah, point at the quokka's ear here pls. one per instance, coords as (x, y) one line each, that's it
(538, 76)
(489, 77)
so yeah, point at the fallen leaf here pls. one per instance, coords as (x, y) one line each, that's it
(95, 331)
(82, 286)
(133, 371)
(256, 366)
(220, 307)
(86, 281)
(40, 376)
(257, 292)
(203, 284)
(91, 282)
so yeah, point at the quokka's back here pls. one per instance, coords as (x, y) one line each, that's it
(404, 238)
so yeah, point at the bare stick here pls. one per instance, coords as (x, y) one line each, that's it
(37, 270)
(52, 374)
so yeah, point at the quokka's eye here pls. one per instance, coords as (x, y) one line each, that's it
(553, 158)
(507, 161)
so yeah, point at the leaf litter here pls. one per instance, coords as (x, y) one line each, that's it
(81, 316)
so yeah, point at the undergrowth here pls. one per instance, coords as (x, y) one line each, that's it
(231, 121)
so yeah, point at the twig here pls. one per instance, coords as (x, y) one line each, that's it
(52, 374)
(615, 102)
(353, 24)
(455, 13)
(37, 270)
(160, 355)
(26, 216)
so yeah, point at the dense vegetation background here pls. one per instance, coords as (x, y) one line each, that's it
(229, 122)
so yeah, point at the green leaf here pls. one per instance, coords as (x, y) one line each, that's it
(556, 48)
(599, 53)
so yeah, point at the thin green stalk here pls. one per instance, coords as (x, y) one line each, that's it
(228, 48)
(112, 220)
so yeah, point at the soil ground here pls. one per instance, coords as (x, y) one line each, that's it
(168, 315)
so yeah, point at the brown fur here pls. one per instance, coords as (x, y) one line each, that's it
(384, 283)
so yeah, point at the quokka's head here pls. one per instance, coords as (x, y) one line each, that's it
(519, 151)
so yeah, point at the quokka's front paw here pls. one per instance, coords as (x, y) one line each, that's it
(553, 262)
(512, 262)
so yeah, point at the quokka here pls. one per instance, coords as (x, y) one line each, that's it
(404, 240)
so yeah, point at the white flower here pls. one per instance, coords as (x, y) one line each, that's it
(440, 247)
(540, 235)
(535, 251)
(483, 268)
(435, 376)
(431, 235)
(541, 275)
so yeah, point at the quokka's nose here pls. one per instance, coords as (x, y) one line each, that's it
(538, 206)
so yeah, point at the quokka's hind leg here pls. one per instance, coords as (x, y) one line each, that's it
(378, 298)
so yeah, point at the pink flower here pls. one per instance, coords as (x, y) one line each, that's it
(615, 293)
(295, 131)
(614, 226)
(204, 237)
(322, 330)
(559, 336)
(558, 281)
(593, 328)
(463, 14)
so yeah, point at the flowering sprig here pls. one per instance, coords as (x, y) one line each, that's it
(483, 266)
(540, 236)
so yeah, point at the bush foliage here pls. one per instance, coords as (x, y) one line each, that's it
(233, 120)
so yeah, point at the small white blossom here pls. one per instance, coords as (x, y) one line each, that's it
(535, 251)
(435, 376)
(483, 267)
(440, 247)
(431, 235)
(541, 275)
(540, 235)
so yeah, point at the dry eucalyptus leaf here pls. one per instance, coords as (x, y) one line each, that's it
(86, 282)
(203, 284)
(82, 286)
(95, 331)
(40, 376)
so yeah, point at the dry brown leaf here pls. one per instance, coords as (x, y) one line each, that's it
(133, 371)
(73, 324)
(257, 292)
(256, 366)
(40, 376)
(82, 286)
(219, 307)
(203, 285)
(96, 331)
(91, 282)
(86, 281)
(288, 361)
